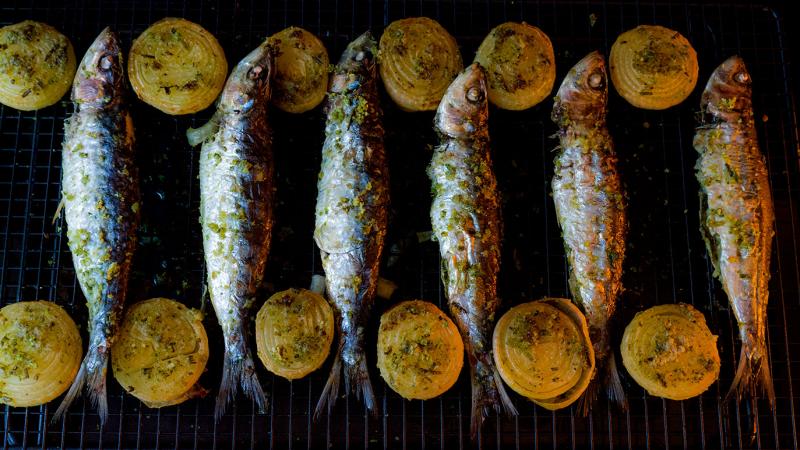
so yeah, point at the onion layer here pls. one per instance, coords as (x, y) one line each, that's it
(418, 59)
(520, 65)
(542, 351)
(301, 70)
(37, 64)
(177, 66)
(40, 352)
(669, 351)
(294, 331)
(653, 67)
(420, 352)
(160, 352)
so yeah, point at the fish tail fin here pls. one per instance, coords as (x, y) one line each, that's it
(238, 370)
(610, 381)
(753, 375)
(356, 377)
(92, 375)
(487, 391)
(331, 390)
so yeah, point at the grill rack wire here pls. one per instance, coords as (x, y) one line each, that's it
(666, 259)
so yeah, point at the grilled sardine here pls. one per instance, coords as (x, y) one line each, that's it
(736, 215)
(351, 212)
(590, 209)
(236, 204)
(465, 215)
(100, 190)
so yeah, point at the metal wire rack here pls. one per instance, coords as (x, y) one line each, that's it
(666, 258)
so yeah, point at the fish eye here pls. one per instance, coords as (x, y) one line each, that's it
(741, 77)
(106, 62)
(474, 94)
(596, 80)
(254, 72)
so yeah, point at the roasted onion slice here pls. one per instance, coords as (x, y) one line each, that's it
(37, 64)
(301, 70)
(160, 352)
(420, 352)
(294, 331)
(653, 67)
(177, 66)
(418, 59)
(669, 351)
(542, 351)
(40, 352)
(520, 65)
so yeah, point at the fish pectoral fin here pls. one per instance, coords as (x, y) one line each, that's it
(58, 210)
(202, 133)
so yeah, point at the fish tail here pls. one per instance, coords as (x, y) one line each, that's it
(238, 370)
(331, 390)
(610, 381)
(356, 378)
(92, 375)
(487, 392)
(753, 375)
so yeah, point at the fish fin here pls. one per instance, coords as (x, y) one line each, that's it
(236, 372)
(612, 384)
(753, 374)
(202, 133)
(357, 378)
(487, 391)
(331, 390)
(91, 374)
(58, 210)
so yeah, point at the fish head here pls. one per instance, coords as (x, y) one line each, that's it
(249, 82)
(464, 110)
(583, 95)
(728, 92)
(356, 66)
(100, 79)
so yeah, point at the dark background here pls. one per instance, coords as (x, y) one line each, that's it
(666, 259)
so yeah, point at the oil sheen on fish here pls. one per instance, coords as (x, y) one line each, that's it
(351, 212)
(736, 215)
(100, 194)
(465, 215)
(236, 204)
(591, 210)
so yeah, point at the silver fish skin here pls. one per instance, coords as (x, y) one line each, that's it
(590, 208)
(736, 216)
(351, 212)
(466, 220)
(100, 195)
(236, 207)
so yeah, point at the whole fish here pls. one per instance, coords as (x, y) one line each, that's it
(736, 215)
(100, 195)
(591, 209)
(465, 215)
(236, 204)
(351, 213)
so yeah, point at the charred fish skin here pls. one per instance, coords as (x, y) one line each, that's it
(236, 207)
(590, 208)
(465, 215)
(351, 211)
(736, 215)
(100, 194)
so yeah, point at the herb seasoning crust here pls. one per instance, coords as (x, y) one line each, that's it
(100, 194)
(736, 216)
(351, 212)
(236, 205)
(465, 215)
(590, 209)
